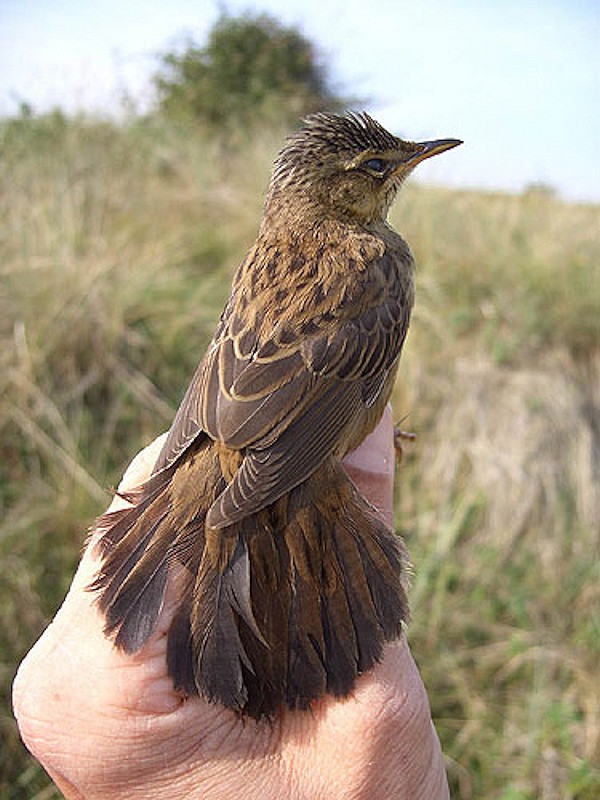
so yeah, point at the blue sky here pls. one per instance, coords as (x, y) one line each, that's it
(518, 80)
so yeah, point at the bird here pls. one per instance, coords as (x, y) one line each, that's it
(287, 581)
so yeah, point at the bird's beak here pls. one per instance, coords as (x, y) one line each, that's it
(428, 149)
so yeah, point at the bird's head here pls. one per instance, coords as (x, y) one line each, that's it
(347, 165)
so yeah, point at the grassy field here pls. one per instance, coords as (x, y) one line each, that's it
(116, 252)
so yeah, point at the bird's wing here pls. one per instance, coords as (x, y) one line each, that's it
(287, 403)
(275, 386)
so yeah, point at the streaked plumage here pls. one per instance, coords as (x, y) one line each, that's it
(288, 583)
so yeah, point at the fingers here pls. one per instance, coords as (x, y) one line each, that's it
(371, 466)
(139, 470)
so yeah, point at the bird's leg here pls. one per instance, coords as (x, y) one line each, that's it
(399, 436)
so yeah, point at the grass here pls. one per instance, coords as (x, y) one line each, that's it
(116, 253)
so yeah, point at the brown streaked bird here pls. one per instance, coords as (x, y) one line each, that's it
(288, 583)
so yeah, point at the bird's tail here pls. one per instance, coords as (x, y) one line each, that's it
(288, 604)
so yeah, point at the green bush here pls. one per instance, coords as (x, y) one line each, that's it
(251, 66)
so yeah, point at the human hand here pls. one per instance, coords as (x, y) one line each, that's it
(109, 725)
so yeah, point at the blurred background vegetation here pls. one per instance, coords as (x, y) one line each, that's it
(117, 249)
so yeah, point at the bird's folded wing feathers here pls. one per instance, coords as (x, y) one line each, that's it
(287, 404)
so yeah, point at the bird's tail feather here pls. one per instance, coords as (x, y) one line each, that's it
(288, 604)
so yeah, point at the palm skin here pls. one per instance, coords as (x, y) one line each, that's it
(108, 724)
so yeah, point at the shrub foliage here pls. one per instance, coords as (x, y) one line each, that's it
(250, 66)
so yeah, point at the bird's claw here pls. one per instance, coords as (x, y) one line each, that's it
(399, 436)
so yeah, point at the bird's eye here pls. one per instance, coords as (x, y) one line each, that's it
(375, 164)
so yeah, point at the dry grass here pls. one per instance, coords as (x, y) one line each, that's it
(116, 255)
(500, 500)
